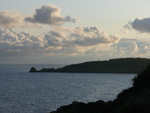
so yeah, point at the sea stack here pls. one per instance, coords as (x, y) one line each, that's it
(33, 69)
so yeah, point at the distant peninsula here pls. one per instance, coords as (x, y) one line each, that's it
(120, 65)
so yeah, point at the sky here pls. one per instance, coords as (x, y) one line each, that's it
(73, 31)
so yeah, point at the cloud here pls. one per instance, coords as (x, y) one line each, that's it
(89, 42)
(71, 41)
(80, 36)
(126, 28)
(90, 36)
(126, 47)
(140, 25)
(13, 43)
(49, 14)
(132, 47)
(10, 19)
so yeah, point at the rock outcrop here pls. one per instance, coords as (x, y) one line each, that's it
(33, 69)
(133, 100)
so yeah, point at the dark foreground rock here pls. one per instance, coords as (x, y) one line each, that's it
(133, 100)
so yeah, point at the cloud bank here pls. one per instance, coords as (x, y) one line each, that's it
(67, 41)
(49, 14)
(77, 41)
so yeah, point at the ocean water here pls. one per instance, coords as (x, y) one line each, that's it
(24, 92)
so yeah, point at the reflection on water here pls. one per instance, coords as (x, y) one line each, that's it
(23, 92)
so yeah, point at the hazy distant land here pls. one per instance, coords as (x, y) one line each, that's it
(120, 65)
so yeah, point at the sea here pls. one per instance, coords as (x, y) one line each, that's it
(24, 92)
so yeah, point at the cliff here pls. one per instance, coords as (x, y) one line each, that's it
(122, 65)
(133, 100)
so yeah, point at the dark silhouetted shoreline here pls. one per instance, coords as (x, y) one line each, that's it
(121, 65)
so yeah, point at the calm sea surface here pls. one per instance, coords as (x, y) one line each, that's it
(24, 92)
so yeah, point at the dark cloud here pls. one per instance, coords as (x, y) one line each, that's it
(141, 25)
(50, 15)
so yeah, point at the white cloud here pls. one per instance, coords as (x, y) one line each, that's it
(13, 43)
(49, 14)
(87, 36)
(126, 47)
(77, 41)
(132, 47)
(80, 41)
(10, 19)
